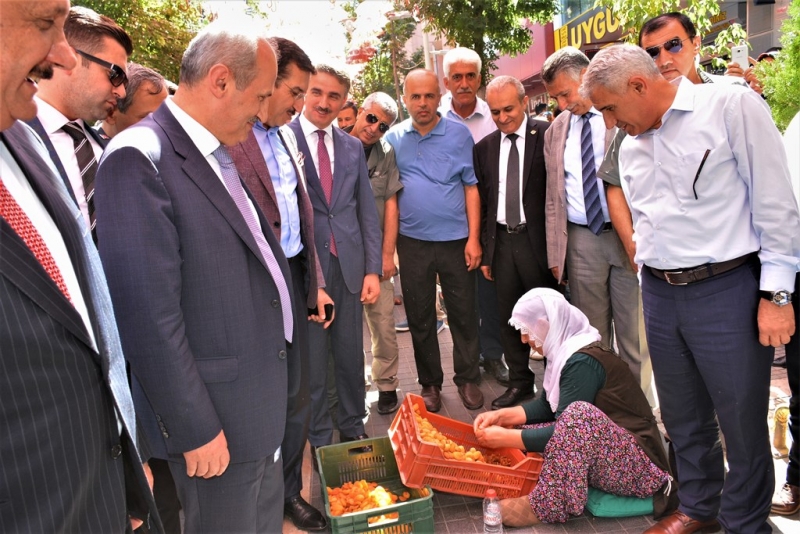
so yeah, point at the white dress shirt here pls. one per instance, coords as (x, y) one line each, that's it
(310, 133)
(744, 198)
(479, 122)
(573, 166)
(505, 149)
(52, 121)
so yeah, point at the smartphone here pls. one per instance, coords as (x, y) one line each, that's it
(739, 56)
(328, 311)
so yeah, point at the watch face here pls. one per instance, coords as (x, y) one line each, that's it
(781, 298)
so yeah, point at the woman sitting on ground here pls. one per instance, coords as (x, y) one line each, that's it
(593, 424)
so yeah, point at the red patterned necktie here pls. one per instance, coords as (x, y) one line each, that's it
(22, 225)
(325, 176)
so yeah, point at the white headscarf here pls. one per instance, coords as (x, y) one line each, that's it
(546, 316)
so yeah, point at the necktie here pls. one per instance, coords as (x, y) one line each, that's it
(325, 176)
(87, 165)
(231, 178)
(512, 184)
(21, 224)
(591, 194)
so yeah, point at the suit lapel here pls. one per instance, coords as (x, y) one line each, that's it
(342, 160)
(532, 139)
(493, 157)
(312, 179)
(36, 124)
(259, 165)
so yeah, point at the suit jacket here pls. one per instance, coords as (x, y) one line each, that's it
(66, 464)
(351, 215)
(254, 172)
(198, 312)
(556, 204)
(486, 157)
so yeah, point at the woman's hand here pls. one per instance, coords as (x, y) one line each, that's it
(486, 419)
(497, 437)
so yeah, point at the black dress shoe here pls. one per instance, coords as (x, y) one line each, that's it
(512, 397)
(497, 369)
(303, 515)
(432, 395)
(387, 402)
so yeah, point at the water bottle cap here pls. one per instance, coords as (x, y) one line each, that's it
(491, 493)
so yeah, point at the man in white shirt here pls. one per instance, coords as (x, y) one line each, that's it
(718, 231)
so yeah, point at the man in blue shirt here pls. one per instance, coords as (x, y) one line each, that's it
(439, 221)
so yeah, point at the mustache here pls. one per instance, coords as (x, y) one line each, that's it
(42, 71)
(322, 110)
(464, 91)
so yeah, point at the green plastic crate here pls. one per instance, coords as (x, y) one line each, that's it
(373, 460)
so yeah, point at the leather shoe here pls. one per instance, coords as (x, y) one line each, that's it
(432, 395)
(387, 402)
(512, 397)
(303, 515)
(679, 523)
(498, 369)
(471, 396)
(347, 439)
(787, 501)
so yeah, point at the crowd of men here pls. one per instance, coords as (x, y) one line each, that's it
(227, 241)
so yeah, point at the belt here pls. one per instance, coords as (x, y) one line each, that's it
(520, 228)
(682, 277)
(606, 226)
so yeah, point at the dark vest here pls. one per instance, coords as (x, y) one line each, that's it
(622, 400)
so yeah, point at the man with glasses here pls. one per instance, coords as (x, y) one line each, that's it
(89, 93)
(267, 162)
(374, 118)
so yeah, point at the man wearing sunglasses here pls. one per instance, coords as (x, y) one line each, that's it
(374, 118)
(71, 101)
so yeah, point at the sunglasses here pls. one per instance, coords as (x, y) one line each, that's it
(382, 127)
(116, 75)
(673, 46)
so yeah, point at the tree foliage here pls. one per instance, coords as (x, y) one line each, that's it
(781, 78)
(489, 27)
(160, 29)
(632, 14)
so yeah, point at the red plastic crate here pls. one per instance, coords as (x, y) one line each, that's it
(421, 463)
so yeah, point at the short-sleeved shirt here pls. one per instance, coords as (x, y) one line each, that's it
(384, 176)
(434, 169)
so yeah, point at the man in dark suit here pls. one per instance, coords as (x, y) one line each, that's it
(200, 289)
(69, 456)
(267, 163)
(509, 165)
(88, 93)
(349, 245)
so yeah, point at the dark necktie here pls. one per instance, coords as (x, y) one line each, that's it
(325, 176)
(512, 184)
(23, 227)
(231, 178)
(86, 164)
(591, 194)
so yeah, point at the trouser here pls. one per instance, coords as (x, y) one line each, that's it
(380, 321)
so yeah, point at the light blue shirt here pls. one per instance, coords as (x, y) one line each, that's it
(573, 166)
(480, 122)
(744, 198)
(284, 181)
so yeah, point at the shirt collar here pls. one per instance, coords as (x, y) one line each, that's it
(308, 127)
(52, 120)
(684, 98)
(481, 107)
(520, 131)
(204, 140)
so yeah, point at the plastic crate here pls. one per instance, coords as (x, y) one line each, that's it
(423, 463)
(373, 460)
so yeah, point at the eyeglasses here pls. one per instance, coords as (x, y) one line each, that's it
(297, 94)
(116, 75)
(372, 119)
(673, 46)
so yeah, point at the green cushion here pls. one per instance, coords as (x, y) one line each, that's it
(602, 504)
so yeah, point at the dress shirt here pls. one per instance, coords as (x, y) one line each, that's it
(20, 189)
(480, 122)
(52, 121)
(284, 182)
(312, 139)
(744, 198)
(505, 149)
(573, 166)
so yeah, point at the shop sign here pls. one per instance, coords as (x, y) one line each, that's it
(595, 26)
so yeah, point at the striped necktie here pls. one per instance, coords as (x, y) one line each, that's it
(591, 194)
(86, 164)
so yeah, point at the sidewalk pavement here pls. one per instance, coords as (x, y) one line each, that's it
(455, 514)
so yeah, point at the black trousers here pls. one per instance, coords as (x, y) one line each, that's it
(421, 261)
(793, 373)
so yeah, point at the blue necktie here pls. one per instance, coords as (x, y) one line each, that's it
(591, 194)
(231, 178)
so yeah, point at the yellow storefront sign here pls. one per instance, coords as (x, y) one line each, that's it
(595, 26)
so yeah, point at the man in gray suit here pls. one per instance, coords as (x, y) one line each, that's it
(349, 245)
(201, 288)
(69, 456)
(582, 246)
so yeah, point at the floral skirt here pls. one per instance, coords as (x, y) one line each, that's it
(588, 449)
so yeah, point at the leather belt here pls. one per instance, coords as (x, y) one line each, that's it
(683, 277)
(520, 228)
(606, 226)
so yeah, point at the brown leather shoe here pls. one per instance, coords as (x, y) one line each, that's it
(432, 395)
(787, 501)
(679, 523)
(471, 396)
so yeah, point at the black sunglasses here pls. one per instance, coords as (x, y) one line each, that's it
(372, 119)
(116, 75)
(673, 46)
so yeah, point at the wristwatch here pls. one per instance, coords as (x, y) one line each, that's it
(779, 298)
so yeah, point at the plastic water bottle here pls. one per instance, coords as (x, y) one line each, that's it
(492, 517)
